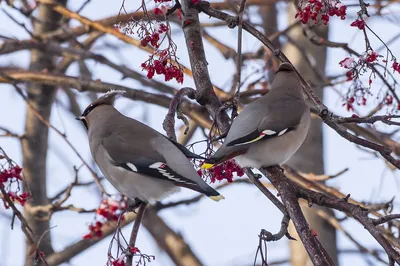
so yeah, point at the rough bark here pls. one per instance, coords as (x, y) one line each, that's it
(35, 144)
(309, 158)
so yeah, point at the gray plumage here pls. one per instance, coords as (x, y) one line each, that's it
(137, 160)
(271, 129)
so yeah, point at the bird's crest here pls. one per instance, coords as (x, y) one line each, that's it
(108, 98)
(112, 93)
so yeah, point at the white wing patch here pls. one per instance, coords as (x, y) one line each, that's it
(132, 167)
(262, 134)
(282, 132)
(156, 165)
(165, 173)
(160, 167)
(269, 132)
(251, 141)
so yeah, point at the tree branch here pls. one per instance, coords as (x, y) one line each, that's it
(134, 233)
(205, 94)
(287, 191)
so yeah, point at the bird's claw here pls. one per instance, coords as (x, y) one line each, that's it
(134, 205)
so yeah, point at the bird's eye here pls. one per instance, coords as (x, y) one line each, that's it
(88, 110)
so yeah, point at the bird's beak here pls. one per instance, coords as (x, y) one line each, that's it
(80, 118)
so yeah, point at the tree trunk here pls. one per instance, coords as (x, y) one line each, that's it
(34, 145)
(269, 15)
(309, 158)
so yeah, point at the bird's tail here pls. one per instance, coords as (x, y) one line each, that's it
(217, 198)
(211, 193)
(203, 188)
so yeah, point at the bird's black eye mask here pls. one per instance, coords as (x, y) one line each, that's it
(85, 113)
(89, 109)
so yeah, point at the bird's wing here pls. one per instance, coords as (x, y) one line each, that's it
(185, 150)
(281, 117)
(142, 159)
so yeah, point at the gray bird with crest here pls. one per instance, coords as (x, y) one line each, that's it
(271, 129)
(139, 162)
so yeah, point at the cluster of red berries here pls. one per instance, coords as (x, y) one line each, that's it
(349, 104)
(95, 231)
(21, 199)
(151, 39)
(160, 66)
(222, 171)
(359, 23)
(10, 176)
(323, 9)
(154, 38)
(349, 62)
(163, 67)
(371, 56)
(109, 210)
(153, 33)
(360, 66)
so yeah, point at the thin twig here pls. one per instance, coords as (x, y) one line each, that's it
(134, 233)
(169, 121)
(237, 80)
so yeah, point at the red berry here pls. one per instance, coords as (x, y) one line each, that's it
(144, 42)
(157, 11)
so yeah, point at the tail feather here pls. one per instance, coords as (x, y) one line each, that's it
(212, 194)
(205, 189)
(217, 198)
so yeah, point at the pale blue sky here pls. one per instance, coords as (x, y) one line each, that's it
(222, 233)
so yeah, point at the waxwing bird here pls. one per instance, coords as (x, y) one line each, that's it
(139, 162)
(271, 129)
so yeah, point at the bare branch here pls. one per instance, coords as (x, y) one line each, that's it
(205, 94)
(169, 121)
(287, 191)
(134, 233)
(386, 119)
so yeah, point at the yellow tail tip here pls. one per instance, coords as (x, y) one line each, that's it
(206, 166)
(217, 198)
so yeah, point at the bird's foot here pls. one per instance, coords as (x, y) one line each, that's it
(258, 176)
(280, 168)
(133, 205)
